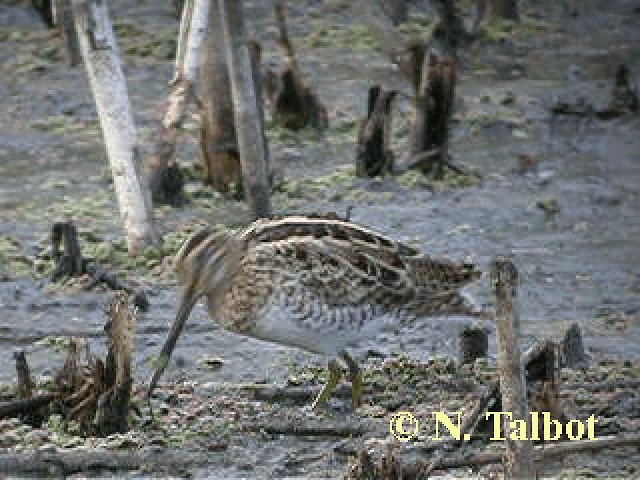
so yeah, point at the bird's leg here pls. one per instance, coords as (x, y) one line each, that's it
(355, 376)
(334, 377)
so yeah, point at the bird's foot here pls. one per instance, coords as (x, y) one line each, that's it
(328, 389)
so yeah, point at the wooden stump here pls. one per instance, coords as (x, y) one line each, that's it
(473, 343)
(25, 383)
(573, 354)
(450, 31)
(624, 96)
(70, 261)
(624, 100)
(63, 19)
(489, 9)
(293, 103)
(519, 451)
(165, 177)
(43, 7)
(541, 365)
(96, 393)
(255, 54)
(218, 138)
(396, 10)
(434, 106)
(113, 405)
(373, 155)
(36, 411)
(253, 157)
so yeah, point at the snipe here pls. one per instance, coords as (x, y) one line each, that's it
(317, 283)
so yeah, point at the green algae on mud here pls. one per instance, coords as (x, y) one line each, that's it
(416, 179)
(499, 29)
(14, 263)
(355, 37)
(136, 42)
(67, 124)
(107, 252)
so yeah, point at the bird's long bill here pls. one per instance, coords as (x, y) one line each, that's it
(186, 305)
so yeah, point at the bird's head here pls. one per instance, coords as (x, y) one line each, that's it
(205, 263)
(206, 260)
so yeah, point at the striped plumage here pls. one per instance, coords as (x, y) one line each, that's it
(317, 283)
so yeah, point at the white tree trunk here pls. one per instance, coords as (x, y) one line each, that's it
(100, 55)
(193, 28)
(197, 34)
(245, 109)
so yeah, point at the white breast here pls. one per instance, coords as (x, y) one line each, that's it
(314, 331)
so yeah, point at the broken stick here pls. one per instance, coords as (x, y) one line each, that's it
(519, 450)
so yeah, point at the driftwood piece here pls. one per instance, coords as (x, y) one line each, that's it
(519, 451)
(579, 107)
(433, 109)
(112, 281)
(268, 393)
(473, 343)
(373, 154)
(19, 407)
(294, 104)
